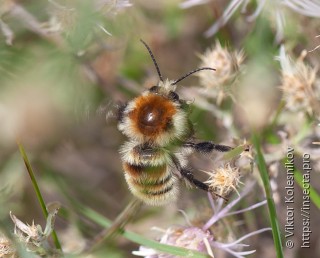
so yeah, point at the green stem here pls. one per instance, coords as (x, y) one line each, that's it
(271, 206)
(38, 193)
(174, 250)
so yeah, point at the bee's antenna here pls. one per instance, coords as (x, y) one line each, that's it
(153, 59)
(192, 72)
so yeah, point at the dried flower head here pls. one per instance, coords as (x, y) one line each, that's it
(32, 236)
(299, 84)
(27, 233)
(203, 239)
(224, 179)
(193, 238)
(227, 65)
(6, 247)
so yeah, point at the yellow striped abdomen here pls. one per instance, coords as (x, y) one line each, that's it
(150, 178)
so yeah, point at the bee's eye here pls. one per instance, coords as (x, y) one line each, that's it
(174, 96)
(154, 89)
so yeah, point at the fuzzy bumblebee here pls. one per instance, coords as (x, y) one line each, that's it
(160, 137)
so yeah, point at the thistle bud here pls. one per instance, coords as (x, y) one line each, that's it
(223, 180)
(227, 65)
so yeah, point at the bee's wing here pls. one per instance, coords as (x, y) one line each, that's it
(109, 110)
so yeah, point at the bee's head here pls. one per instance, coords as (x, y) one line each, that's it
(158, 115)
(155, 116)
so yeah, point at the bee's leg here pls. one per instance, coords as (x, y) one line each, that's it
(207, 147)
(187, 174)
(190, 177)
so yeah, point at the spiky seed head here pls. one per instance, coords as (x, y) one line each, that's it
(299, 83)
(192, 238)
(32, 236)
(26, 233)
(227, 65)
(6, 247)
(223, 180)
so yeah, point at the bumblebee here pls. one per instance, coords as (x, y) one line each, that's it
(160, 137)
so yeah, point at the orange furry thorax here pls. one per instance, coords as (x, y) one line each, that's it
(152, 115)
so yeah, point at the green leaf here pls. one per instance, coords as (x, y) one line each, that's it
(271, 206)
(102, 221)
(38, 193)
